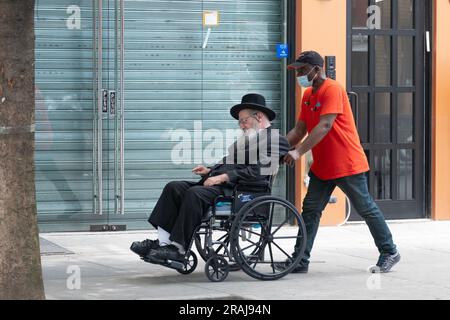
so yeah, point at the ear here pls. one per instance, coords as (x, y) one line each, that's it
(259, 116)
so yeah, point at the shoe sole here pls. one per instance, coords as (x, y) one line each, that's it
(301, 271)
(154, 260)
(282, 269)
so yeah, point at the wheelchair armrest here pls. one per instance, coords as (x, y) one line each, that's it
(253, 186)
(223, 199)
(253, 183)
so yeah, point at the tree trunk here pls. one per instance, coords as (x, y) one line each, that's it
(20, 262)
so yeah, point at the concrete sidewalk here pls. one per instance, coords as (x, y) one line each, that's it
(338, 269)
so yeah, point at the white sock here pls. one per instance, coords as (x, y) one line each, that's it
(179, 247)
(163, 237)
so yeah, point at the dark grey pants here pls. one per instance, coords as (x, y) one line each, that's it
(180, 209)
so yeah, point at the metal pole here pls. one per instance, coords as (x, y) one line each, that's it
(94, 112)
(116, 121)
(99, 108)
(122, 106)
(284, 106)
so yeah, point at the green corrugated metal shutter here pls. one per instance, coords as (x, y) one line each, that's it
(170, 82)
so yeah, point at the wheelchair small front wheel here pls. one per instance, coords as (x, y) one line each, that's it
(189, 264)
(216, 269)
(221, 237)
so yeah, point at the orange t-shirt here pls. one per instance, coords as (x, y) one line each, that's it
(340, 153)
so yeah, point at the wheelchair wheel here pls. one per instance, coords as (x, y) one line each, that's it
(219, 249)
(190, 264)
(278, 242)
(216, 269)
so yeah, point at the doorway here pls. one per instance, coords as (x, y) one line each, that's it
(386, 66)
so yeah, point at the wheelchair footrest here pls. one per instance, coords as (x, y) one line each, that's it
(173, 264)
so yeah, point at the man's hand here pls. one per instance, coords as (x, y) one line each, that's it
(292, 157)
(217, 180)
(201, 170)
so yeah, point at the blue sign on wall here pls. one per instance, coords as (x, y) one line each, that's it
(282, 51)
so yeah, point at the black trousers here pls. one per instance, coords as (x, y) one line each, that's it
(180, 209)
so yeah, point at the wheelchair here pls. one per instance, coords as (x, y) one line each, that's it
(248, 229)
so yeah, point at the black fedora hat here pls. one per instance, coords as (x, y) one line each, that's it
(252, 101)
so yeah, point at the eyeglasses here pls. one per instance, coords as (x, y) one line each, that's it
(244, 120)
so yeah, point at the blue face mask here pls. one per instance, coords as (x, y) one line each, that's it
(304, 82)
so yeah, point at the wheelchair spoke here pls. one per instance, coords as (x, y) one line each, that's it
(254, 264)
(251, 258)
(224, 236)
(287, 255)
(279, 227)
(261, 222)
(251, 231)
(292, 237)
(271, 258)
(264, 226)
(271, 218)
(252, 245)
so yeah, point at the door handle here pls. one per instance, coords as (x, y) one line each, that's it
(112, 102)
(104, 101)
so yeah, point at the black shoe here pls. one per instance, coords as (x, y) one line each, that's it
(281, 266)
(385, 263)
(142, 248)
(300, 269)
(169, 252)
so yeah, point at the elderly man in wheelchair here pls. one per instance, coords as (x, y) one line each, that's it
(229, 214)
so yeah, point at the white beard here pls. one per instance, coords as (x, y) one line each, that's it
(250, 132)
